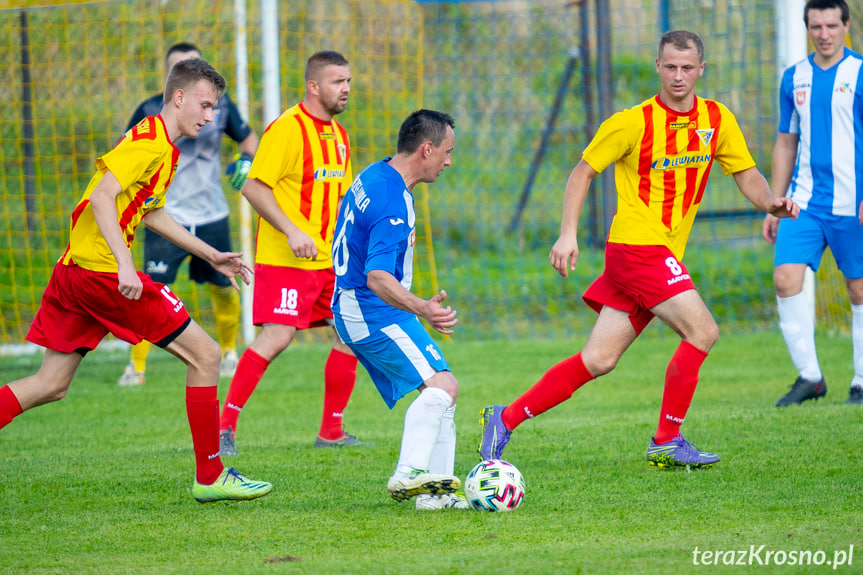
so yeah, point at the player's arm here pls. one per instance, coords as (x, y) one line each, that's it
(564, 253)
(261, 196)
(229, 264)
(784, 158)
(753, 185)
(388, 288)
(103, 201)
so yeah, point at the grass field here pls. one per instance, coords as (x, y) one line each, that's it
(99, 482)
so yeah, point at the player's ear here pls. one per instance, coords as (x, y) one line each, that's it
(179, 96)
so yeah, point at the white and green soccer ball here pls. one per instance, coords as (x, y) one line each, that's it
(494, 485)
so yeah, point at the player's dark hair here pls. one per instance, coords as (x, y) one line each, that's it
(187, 73)
(420, 126)
(682, 40)
(181, 47)
(827, 5)
(320, 60)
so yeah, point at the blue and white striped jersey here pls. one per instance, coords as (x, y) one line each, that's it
(825, 109)
(375, 230)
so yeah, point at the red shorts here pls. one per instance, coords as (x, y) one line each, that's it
(291, 296)
(637, 278)
(80, 307)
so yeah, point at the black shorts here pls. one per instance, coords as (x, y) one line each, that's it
(162, 258)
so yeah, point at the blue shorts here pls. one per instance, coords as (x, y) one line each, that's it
(399, 358)
(802, 241)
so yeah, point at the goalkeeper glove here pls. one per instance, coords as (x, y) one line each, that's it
(239, 169)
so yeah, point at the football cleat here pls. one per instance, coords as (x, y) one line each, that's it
(446, 501)
(227, 445)
(802, 390)
(345, 441)
(131, 377)
(855, 394)
(230, 486)
(418, 482)
(495, 435)
(228, 365)
(679, 453)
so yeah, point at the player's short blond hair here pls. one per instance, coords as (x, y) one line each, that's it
(186, 73)
(682, 40)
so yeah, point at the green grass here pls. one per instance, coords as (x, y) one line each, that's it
(99, 482)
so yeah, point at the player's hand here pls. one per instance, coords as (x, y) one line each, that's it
(239, 169)
(769, 228)
(564, 254)
(232, 265)
(784, 208)
(441, 318)
(303, 245)
(129, 284)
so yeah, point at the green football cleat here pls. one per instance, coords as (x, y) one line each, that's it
(230, 486)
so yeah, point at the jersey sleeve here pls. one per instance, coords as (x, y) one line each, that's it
(135, 155)
(279, 151)
(789, 121)
(237, 129)
(732, 153)
(613, 140)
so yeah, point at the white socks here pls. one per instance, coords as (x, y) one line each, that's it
(857, 341)
(443, 456)
(423, 426)
(798, 329)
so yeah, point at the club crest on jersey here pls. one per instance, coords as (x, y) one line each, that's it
(844, 88)
(705, 136)
(800, 97)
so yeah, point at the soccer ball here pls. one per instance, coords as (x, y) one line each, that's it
(494, 485)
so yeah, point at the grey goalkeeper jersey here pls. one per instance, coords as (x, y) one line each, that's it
(195, 197)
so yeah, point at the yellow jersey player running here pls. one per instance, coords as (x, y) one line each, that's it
(95, 288)
(662, 151)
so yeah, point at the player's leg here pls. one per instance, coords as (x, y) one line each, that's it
(273, 340)
(225, 299)
(340, 371)
(162, 259)
(619, 323)
(213, 482)
(855, 294)
(800, 244)
(340, 375)
(845, 237)
(49, 383)
(611, 335)
(689, 317)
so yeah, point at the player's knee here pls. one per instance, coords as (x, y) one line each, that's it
(446, 381)
(599, 363)
(787, 284)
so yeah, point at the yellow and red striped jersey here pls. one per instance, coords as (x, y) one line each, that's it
(307, 163)
(144, 162)
(662, 160)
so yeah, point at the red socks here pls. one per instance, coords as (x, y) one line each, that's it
(681, 378)
(340, 375)
(9, 406)
(556, 386)
(250, 370)
(202, 409)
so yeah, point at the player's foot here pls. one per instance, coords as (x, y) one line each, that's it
(401, 487)
(495, 435)
(679, 453)
(428, 502)
(131, 377)
(803, 390)
(230, 486)
(346, 441)
(228, 365)
(227, 445)
(855, 395)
